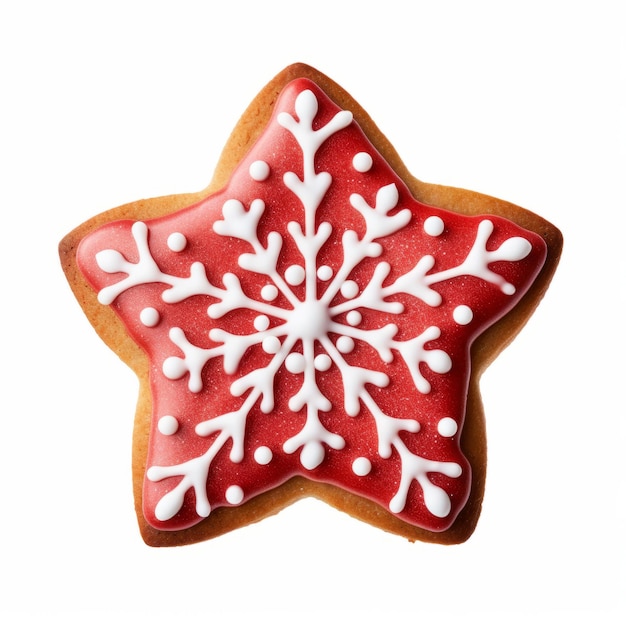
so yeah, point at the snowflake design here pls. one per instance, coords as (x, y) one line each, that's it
(325, 311)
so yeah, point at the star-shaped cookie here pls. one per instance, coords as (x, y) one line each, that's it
(314, 323)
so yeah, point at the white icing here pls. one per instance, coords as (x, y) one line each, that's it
(177, 242)
(269, 293)
(462, 315)
(417, 468)
(306, 337)
(149, 317)
(325, 272)
(191, 363)
(361, 466)
(477, 261)
(434, 226)
(234, 494)
(322, 362)
(261, 323)
(295, 363)
(354, 318)
(259, 170)
(263, 455)
(271, 345)
(362, 162)
(447, 427)
(295, 274)
(167, 425)
(349, 289)
(345, 344)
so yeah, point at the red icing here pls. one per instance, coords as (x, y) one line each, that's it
(400, 399)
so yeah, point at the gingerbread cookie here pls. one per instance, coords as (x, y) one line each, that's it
(314, 323)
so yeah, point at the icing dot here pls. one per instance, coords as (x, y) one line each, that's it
(447, 427)
(174, 368)
(263, 455)
(345, 344)
(361, 466)
(322, 362)
(434, 226)
(295, 363)
(349, 289)
(362, 162)
(325, 272)
(439, 361)
(259, 170)
(261, 322)
(271, 345)
(354, 318)
(234, 494)
(462, 315)
(149, 317)
(177, 242)
(269, 293)
(294, 274)
(167, 425)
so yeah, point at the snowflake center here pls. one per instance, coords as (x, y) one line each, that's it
(309, 320)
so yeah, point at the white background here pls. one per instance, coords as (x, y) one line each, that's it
(103, 103)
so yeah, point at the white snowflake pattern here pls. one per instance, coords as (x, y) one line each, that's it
(306, 337)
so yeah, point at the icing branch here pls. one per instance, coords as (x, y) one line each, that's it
(372, 296)
(412, 350)
(414, 353)
(146, 271)
(311, 438)
(377, 219)
(414, 467)
(197, 284)
(243, 225)
(302, 129)
(194, 472)
(380, 338)
(229, 426)
(232, 423)
(193, 362)
(240, 223)
(313, 186)
(378, 224)
(310, 191)
(387, 427)
(261, 380)
(263, 260)
(233, 297)
(235, 346)
(478, 259)
(309, 246)
(313, 434)
(417, 282)
(354, 378)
